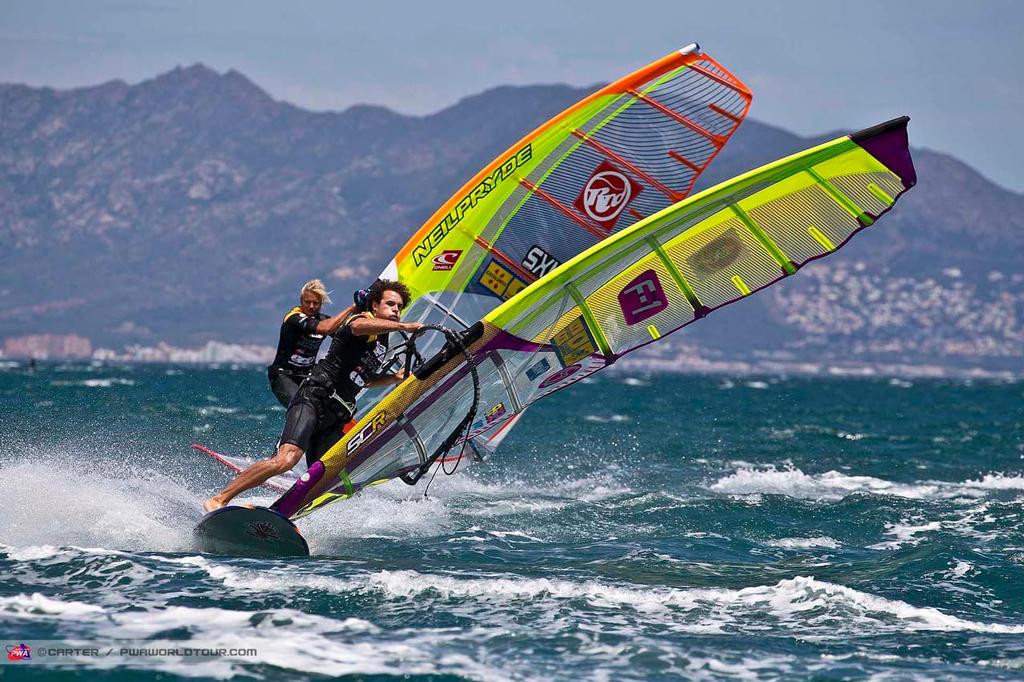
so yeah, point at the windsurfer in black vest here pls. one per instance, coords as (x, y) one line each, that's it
(326, 400)
(302, 332)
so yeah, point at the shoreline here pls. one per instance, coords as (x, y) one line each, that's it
(825, 368)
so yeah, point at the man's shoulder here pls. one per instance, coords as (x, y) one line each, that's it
(292, 313)
(366, 315)
(355, 316)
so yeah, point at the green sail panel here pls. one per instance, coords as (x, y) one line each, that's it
(653, 278)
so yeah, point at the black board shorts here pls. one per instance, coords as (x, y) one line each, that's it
(314, 424)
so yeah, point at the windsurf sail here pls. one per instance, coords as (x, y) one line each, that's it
(622, 154)
(654, 277)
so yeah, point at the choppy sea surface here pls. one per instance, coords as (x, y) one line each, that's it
(631, 528)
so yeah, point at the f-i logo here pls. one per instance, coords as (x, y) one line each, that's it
(642, 298)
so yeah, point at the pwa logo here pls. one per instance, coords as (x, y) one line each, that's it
(375, 425)
(19, 652)
(606, 195)
(446, 260)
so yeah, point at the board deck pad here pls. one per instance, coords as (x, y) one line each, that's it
(249, 531)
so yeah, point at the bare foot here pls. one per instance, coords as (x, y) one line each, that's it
(212, 504)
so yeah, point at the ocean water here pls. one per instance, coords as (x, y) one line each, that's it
(632, 528)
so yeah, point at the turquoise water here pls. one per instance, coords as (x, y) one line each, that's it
(631, 528)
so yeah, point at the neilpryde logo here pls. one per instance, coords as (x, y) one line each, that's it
(19, 652)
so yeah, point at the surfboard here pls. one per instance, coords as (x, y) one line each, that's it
(249, 531)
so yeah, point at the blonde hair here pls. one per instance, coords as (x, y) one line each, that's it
(315, 286)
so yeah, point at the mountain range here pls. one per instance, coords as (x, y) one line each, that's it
(192, 206)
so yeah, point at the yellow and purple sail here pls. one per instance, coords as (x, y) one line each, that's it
(651, 278)
(616, 157)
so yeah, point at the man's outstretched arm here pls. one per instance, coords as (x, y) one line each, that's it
(331, 324)
(368, 326)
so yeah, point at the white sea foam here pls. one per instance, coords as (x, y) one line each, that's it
(40, 607)
(792, 482)
(294, 640)
(591, 488)
(495, 508)
(207, 410)
(482, 536)
(905, 533)
(834, 485)
(803, 602)
(376, 515)
(961, 569)
(274, 581)
(394, 510)
(997, 481)
(33, 552)
(513, 535)
(116, 565)
(96, 383)
(804, 543)
(285, 638)
(760, 385)
(1015, 663)
(617, 418)
(53, 501)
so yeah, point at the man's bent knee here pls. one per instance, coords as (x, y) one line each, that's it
(286, 457)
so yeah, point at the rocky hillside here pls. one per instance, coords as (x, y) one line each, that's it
(191, 207)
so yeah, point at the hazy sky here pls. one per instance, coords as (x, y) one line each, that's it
(814, 66)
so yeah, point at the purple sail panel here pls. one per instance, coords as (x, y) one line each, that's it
(888, 143)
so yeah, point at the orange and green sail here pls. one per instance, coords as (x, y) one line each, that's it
(616, 157)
